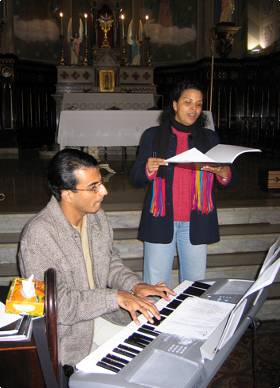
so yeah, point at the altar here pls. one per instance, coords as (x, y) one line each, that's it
(104, 128)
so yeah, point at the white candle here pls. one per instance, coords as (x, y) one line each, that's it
(146, 25)
(122, 24)
(85, 15)
(61, 23)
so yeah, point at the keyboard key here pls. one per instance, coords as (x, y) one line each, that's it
(112, 362)
(129, 349)
(182, 297)
(166, 311)
(124, 353)
(116, 358)
(174, 304)
(107, 366)
(204, 286)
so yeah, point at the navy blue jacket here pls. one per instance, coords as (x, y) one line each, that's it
(203, 228)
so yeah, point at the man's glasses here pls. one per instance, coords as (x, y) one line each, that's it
(95, 187)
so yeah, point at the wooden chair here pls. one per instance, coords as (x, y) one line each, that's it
(51, 317)
(45, 334)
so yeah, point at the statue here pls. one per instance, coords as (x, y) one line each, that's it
(75, 41)
(227, 9)
(75, 49)
(135, 39)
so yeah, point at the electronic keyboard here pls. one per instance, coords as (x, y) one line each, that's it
(143, 356)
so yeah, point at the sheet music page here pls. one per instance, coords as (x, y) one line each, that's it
(272, 254)
(264, 280)
(6, 318)
(190, 156)
(232, 323)
(196, 318)
(221, 153)
(226, 153)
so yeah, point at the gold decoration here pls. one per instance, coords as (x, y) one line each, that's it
(106, 22)
(106, 80)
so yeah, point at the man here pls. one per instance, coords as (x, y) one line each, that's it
(72, 235)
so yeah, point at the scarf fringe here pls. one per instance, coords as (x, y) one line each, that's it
(202, 191)
(201, 194)
(157, 207)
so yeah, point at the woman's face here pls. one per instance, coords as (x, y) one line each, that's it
(188, 107)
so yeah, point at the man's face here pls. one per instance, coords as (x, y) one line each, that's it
(90, 191)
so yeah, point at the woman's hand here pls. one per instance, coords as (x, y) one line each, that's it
(153, 164)
(222, 171)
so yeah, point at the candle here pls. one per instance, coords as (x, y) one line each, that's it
(122, 24)
(146, 25)
(85, 15)
(61, 23)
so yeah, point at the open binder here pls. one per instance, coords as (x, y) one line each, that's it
(224, 332)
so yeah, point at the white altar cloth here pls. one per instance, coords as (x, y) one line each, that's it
(104, 128)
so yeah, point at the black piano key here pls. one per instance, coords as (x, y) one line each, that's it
(150, 332)
(157, 321)
(194, 291)
(116, 358)
(109, 361)
(129, 349)
(133, 342)
(182, 297)
(124, 353)
(148, 327)
(174, 304)
(204, 286)
(107, 366)
(165, 311)
(142, 337)
(139, 339)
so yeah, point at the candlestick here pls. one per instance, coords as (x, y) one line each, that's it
(85, 15)
(122, 24)
(61, 23)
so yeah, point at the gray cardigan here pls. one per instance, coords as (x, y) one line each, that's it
(48, 240)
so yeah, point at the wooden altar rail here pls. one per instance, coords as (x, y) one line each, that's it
(27, 108)
(246, 96)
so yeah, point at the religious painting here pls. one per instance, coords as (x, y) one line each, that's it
(106, 80)
(36, 30)
(171, 29)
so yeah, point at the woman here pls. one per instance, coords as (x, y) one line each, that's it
(179, 208)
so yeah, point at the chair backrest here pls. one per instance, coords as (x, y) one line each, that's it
(51, 317)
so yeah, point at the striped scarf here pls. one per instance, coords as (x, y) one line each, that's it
(202, 184)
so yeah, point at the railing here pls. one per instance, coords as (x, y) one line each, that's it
(246, 97)
(27, 113)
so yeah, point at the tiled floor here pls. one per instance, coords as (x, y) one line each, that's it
(23, 182)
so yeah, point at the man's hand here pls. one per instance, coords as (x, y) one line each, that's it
(134, 304)
(136, 301)
(160, 289)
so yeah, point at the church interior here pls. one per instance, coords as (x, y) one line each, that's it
(94, 75)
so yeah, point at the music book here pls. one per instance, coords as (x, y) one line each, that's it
(8, 325)
(220, 154)
(20, 330)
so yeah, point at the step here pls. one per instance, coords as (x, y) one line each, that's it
(14, 222)
(132, 248)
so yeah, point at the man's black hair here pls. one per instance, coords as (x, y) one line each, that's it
(61, 169)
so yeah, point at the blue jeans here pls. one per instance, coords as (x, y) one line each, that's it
(158, 258)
